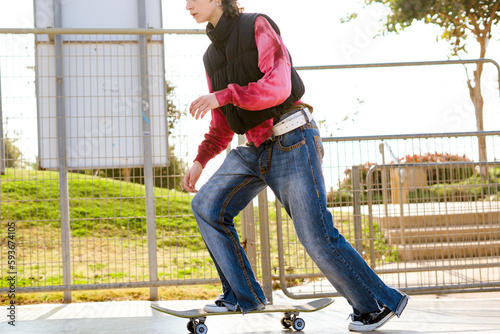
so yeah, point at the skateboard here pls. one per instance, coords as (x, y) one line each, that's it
(197, 317)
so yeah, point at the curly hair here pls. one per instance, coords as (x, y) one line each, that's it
(230, 8)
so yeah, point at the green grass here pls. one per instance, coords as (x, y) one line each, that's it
(203, 292)
(108, 230)
(98, 206)
(108, 233)
(474, 188)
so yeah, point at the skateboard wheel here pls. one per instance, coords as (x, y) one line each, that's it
(191, 326)
(286, 322)
(201, 329)
(299, 324)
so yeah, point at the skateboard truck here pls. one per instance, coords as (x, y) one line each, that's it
(197, 325)
(291, 320)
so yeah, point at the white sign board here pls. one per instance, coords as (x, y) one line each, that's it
(102, 87)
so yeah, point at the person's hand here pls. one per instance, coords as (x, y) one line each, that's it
(192, 177)
(202, 105)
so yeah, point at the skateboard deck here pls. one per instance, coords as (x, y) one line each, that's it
(197, 317)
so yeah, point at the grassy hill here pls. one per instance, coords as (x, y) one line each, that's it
(108, 234)
(108, 230)
(97, 205)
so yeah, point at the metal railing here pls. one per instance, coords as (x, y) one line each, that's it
(484, 215)
(108, 245)
(472, 218)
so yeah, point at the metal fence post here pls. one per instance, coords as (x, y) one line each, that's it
(385, 193)
(2, 151)
(63, 168)
(248, 227)
(356, 188)
(148, 158)
(248, 234)
(265, 248)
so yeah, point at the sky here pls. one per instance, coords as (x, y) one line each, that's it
(315, 26)
(373, 101)
(350, 102)
(313, 33)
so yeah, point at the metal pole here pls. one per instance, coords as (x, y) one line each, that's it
(148, 158)
(248, 231)
(356, 187)
(370, 216)
(100, 31)
(398, 64)
(2, 151)
(265, 248)
(385, 194)
(248, 227)
(412, 136)
(63, 168)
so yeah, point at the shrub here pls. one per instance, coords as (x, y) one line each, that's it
(471, 189)
(446, 173)
(452, 174)
(343, 196)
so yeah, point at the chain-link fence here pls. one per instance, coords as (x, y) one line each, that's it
(112, 219)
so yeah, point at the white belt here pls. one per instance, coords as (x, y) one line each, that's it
(292, 122)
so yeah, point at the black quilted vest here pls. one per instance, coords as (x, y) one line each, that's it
(233, 58)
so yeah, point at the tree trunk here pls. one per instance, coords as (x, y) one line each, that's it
(126, 174)
(478, 101)
(478, 106)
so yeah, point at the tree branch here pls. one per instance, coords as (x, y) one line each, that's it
(456, 22)
(491, 18)
(475, 24)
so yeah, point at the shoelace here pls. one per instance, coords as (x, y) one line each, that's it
(219, 303)
(365, 318)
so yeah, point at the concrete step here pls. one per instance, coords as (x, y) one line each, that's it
(441, 219)
(441, 250)
(443, 234)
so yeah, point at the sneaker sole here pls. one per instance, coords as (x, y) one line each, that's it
(368, 328)
(215, 309)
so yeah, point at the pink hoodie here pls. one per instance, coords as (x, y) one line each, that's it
(272, 89)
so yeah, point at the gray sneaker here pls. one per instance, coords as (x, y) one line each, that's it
(216, 307)
(219, 307)
(370, 322)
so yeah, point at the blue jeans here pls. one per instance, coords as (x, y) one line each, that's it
(290, 165)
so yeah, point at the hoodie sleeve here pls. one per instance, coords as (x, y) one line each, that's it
(217, 138)
(275, 86)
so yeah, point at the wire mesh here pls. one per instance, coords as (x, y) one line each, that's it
(430, 221)
(452, 203)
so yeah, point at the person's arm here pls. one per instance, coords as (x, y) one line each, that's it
(217, 139)
(271, 90)
(275, 86)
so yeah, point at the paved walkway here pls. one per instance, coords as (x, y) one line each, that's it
(458, 313)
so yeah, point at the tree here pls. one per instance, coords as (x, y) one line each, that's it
(12, 153)
(459, 19)
(174, 114)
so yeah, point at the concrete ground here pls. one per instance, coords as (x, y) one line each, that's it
(456, 313)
